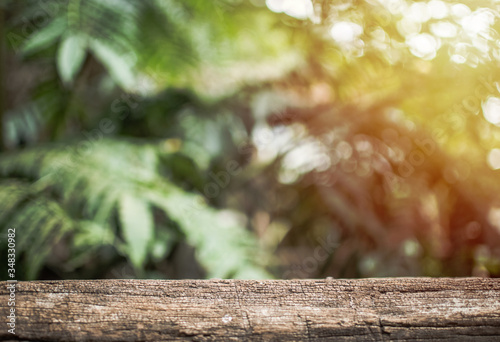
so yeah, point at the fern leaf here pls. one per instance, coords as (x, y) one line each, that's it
(124, 177)
(44, 37)
(119, 67)
(70, 57)
(138, 229)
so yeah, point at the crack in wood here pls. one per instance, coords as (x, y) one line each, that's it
(413, 309)
(385, 334)
(243, 312)
(307, 325)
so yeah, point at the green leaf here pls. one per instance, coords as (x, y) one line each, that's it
(91, 234)
(46, 36)
(118, 66)
(40, 222)
(223, 247)
(138, 229)
(163, 244)
(70, 56)
(122, 177)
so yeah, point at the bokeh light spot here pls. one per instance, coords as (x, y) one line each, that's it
(345, 31)
(345, 149)
(491, 110)
(307, 156)
(300, 9)
(423, 45)
(494, 217)
(460, 10)
(411, 247)
(478, 22)
(494, 159)
(408, 26)
(437, 9)
(459, 59)
(444, 29)
(418, 11)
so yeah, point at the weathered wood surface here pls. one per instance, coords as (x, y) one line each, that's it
(403, 309)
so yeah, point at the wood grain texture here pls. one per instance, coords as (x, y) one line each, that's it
(390, 309)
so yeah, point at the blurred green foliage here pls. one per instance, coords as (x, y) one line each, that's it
(250, 139)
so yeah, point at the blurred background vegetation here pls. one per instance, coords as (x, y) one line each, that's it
(250, 138)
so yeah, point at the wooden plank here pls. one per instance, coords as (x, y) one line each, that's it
(402, 309)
